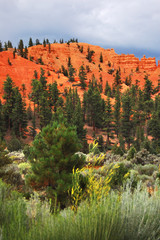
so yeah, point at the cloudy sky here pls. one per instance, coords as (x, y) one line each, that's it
(128, 26)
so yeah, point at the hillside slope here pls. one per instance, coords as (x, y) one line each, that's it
(22, 70)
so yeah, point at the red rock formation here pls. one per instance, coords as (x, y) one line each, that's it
(21, 70)
(148, 64)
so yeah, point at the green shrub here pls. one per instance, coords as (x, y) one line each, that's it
(117, 150)
(11, 175)
(146, 169)
(145, 178)
(14, 144)
(131, 153)
(24, 167)
(26, 150)
(146, 144)
(4, 159)
(118, 176)
(143, 157)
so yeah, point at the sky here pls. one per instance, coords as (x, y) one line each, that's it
(127, 26)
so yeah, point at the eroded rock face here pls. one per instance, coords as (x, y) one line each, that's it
(130, 61)
(147, 63)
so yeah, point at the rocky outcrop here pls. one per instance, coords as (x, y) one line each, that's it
(132, 62)
(147, 63)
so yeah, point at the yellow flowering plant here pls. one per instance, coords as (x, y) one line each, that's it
(96, 187)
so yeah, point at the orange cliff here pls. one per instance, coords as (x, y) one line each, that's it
(22, 70)
(59, 53)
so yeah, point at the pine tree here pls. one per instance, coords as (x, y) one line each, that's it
(35, 74)
(43, 80)
(139, 138)
(78, 122)
(5, 46)
(45, 113)
(138, 109)
(14, 53)
(69, 62)
(70, 104)
(38, 42)
(147, 93)
(100, 78)
(36, 92)
(71, 71)
(21, 47)
(74, 114)
(64, 71)
(117, 79)
(30, 44)
(33, 132)
(18, 115)
(89, 54)
(81, 49)
(10, 44)
(1, 47)
(153, 127)
(9, 100)
(83, 77)
(14, 109)
(148, 89)
(25, 54)
(100, 141)
(44, 43)
(53, 159)
(2, 122)
(29, 113)
(49, 47)
(108, 121)
(53, 95)
(94, 106)
(101, 58)
(117, 112)
(108, 91)
(126, 121)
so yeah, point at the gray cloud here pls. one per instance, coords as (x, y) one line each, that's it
(123, 24)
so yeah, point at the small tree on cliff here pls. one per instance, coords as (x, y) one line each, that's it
(30, 44)
(1, 47)
(20, 47)
(83, 77)
(71, 73)
(117, 79)
(101, 58)
(53, 159)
